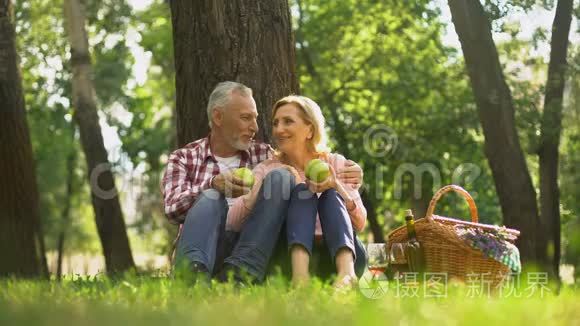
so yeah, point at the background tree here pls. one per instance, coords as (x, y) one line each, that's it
(551, 131)
(135, 110)
(570, 163)
(502, 146)
(47, 88)
(107, 209)
(246, 41)
(151, 133)
(22, 245)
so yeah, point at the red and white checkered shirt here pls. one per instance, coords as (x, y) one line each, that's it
(189, 172)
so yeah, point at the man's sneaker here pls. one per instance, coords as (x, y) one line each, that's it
(201, 274)
(192, 273)
(235, 275)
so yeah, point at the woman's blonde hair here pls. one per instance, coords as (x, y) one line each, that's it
(312, 115)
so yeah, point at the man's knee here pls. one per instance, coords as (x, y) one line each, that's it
(209, 203)
(211, 194)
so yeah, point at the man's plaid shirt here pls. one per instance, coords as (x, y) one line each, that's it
(189, 172)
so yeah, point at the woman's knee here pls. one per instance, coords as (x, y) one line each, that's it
(279, 181)
(330, 195)
(280, 176)
(301, 192)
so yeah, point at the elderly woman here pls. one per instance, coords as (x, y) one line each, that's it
(321, 218)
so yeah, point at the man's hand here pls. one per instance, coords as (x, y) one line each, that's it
(350, 174)
(230, 185)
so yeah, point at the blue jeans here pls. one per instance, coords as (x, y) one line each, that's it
(261, 230)
(204, 239)
(336, 226)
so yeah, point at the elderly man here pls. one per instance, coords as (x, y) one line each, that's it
(199, 184)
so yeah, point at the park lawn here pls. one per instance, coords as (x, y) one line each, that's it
(161, 301)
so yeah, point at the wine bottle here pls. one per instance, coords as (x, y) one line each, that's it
(413, 250)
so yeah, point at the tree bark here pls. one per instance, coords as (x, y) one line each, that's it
(248, 41)
(550, 133)
(21, 243)
(108, 214)
(496, 113)
(70, 164)
(376, 228)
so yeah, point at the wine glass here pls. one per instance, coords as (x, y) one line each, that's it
(397, 254)
(397, 260)
(378, 260)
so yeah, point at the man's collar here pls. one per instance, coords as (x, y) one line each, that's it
(207, 149)
(209, 154)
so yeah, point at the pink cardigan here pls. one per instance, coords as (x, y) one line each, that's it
(238, 213)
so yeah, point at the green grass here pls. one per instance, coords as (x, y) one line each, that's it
(160, 301)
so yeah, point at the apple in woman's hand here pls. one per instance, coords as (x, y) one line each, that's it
(317, 170)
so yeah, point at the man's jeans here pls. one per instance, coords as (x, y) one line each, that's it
(261, 230)
(203, 238)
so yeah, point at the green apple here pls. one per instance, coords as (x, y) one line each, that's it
(310, 164)
(317, 170)
(246, 175)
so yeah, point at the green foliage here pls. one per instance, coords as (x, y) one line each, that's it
(43, 47)
(570, 164)
(498, 9)
(150, 136)
(107, 23)
(46, 83)
(382, 68)
(526, 70)
(150, 133)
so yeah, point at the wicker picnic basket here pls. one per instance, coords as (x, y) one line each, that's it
(445, 252)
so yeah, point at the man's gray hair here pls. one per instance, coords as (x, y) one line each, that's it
(221, 95)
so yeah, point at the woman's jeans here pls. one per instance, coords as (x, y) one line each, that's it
(336, 227)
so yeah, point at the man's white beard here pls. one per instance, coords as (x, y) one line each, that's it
(240, 145)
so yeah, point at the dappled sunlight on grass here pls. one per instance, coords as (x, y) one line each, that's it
(147, 300)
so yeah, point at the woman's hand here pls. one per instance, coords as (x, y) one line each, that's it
(250, 198)
(292, 171)
(330, 182)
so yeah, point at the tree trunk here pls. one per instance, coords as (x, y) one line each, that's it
(248, 41)
(376, 228)
(551, 130)
(21, 242)
(108, 214)
(496, 113)
(70, 165)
